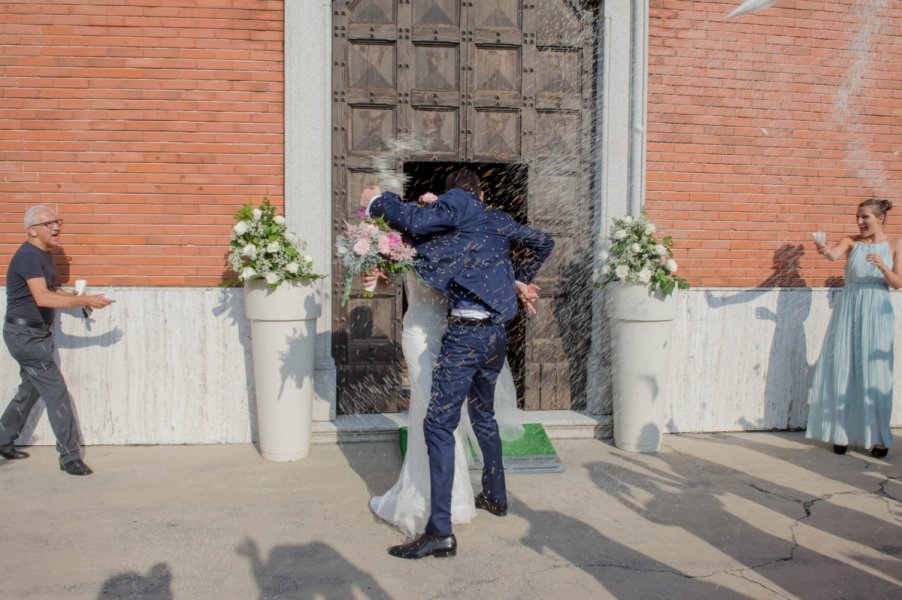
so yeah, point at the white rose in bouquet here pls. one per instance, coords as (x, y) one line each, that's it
(260, 248)
(638, 254)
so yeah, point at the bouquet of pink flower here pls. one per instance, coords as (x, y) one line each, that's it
(372, 245)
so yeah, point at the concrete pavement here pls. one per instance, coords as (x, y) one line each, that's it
(737, 515)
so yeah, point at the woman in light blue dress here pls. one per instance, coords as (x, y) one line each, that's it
(851, 397)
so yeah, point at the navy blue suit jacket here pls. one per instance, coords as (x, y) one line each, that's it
(459, 240)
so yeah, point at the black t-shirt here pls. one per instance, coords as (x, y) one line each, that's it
(28, 262)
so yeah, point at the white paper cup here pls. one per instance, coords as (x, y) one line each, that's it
(820, 237)
(80, 286)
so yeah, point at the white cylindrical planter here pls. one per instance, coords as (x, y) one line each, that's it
(283, 335)
(641, 326)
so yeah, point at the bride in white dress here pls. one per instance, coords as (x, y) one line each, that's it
(406, 504)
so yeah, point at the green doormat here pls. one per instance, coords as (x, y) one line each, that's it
(532, 453)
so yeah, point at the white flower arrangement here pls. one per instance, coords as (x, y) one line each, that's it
(261, 248)
(635, 256)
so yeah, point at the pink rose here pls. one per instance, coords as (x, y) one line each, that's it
(361, 247)
(385, 244)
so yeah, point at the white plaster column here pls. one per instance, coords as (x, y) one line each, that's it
(621, 109)
(308, 165)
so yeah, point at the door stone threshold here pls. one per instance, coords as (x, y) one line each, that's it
(383, 427)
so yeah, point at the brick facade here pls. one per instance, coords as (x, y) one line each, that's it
(146, 123)
(765, 127)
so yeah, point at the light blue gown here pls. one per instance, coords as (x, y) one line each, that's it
(851, 396)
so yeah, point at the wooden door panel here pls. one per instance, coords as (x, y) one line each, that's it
(437, 13)
(437, 68)
(372, 32)
(371, 68)
(372, 12)
(370, 128)
(497, 70)
(496, 134)
(500, 15)
(442, 126)
(561, 24)
(560, 139)
(558, 72)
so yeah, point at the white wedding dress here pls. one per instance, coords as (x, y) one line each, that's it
(406, 504)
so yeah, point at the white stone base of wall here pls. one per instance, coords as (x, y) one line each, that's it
(173, 366)
(743, 359)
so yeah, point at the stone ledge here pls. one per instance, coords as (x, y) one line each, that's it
(383, 427)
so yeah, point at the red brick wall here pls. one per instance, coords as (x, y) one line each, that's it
(146, 123)
(765, 127)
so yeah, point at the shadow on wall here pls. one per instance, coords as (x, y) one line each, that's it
(231, 304)
(788, 374)
(68, 341)
(292, 369)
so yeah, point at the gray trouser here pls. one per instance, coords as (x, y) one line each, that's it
(41, 378)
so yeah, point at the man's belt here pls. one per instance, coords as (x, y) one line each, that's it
(28, 323)
(454, 320)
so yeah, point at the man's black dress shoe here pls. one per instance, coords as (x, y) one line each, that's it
(499, 510)
(10, 452)
(426, 545)
(879, 452)
(76, 467)
(840, 449)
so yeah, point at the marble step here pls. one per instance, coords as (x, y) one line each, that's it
(383, 427)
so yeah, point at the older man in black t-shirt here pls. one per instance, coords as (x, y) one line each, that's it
(31, 297)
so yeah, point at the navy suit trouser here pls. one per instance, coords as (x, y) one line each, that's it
(468, 365)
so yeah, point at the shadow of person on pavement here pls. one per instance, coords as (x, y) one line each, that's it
(622, 571)
(156, 585)
(377, 464)
(755, 521)
(313, 571)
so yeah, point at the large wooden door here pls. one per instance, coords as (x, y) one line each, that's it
(502, 81)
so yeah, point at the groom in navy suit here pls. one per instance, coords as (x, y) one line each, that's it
(464, 249)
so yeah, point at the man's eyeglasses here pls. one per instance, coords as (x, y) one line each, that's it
(50, 224)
